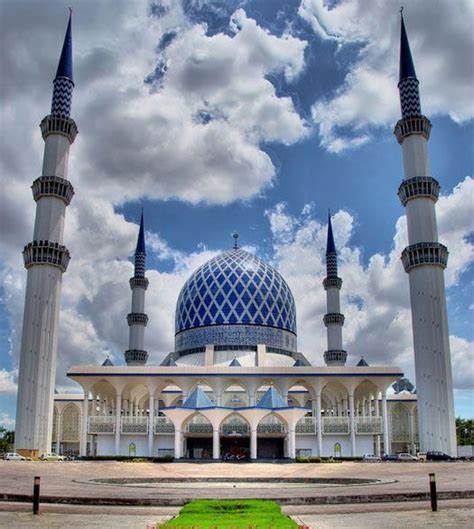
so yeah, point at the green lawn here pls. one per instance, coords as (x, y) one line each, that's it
(231, 514)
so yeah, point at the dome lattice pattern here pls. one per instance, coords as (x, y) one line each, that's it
(236, 288)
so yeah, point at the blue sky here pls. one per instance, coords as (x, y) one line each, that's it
(247, 116)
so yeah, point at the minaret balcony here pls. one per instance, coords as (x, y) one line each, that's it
(412, 125)
(137, 318)
(425, 253)
(138, 282)
(332, 282)
(59, 125)
(46, 253)
(418, 186)
(333, 319)
(136, 357)
(53, 186)
(335, 357)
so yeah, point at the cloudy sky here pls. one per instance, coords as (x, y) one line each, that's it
(231, 115)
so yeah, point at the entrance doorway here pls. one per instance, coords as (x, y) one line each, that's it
(235, 448)
(270, 448)
(199, 447)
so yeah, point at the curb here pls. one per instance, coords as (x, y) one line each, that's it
(310, 500)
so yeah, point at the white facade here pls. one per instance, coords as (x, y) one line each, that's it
(235, 385)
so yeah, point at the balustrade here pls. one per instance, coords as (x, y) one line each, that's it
(101, 424)
(198, 427)
(306, 425)
(270, 428)
(137, 425)
(369, 425)
(163, 425)
(335, 425)
(236, 428)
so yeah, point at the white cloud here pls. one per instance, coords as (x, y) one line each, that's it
(6, 421)
(8, 385)
(374, 298)
(439, 37)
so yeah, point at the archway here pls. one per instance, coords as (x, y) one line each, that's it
(197, 432)
(271, 437)
(235, 438)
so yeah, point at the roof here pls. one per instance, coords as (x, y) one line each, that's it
(330, 246)
(107, 362)
(235, 288)
(235, 363)
(272, 399)
(362, 363)
(298, 363)
(65, 61)
(407, 68)
(197, 399)
(141, 238)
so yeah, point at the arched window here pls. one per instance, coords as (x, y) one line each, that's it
(70, 424)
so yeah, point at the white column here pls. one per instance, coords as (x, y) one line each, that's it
(352, 424)
(85, 413)
(291, 443)
(412, 431)
(253, 442)
(58, 430)
(216, 444)
(177, 442)
(377, 414)
(386, 441)
(118, 420)
(319, 425)
(151, 419)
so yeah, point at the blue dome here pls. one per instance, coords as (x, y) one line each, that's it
(238, 299)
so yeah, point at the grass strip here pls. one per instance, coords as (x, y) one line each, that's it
(231, 514)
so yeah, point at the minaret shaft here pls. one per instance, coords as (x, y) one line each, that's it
(424, 260)
(333, 320)
(137, 319)
(45, 260)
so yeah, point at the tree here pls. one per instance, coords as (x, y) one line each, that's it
(7, 438)
(465, 431)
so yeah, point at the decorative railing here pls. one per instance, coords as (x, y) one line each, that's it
(198, 427)
(46, 253)
(333, 318)
(270, 428)
(425, 253)
(231, 429)
(163, 425)
(134, 425)
(53, 186)
(101, 424)
(306, 425)
(369, 425)
(338, 425)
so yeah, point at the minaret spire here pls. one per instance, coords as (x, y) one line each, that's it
(63, 83)
(46, 259)
(408, 83)
(333, 320)
(424, 259)
(137, 319)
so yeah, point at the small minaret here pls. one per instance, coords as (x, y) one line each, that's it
(333, 320)
(137, 319)
(46, 259)
(424, 260)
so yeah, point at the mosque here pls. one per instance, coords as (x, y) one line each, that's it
(236, 386)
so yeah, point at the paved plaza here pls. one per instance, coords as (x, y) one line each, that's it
(85, 479)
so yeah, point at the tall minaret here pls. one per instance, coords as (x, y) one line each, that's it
(46, 259)
(334, 320)
(137, 319)
(424, 260)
